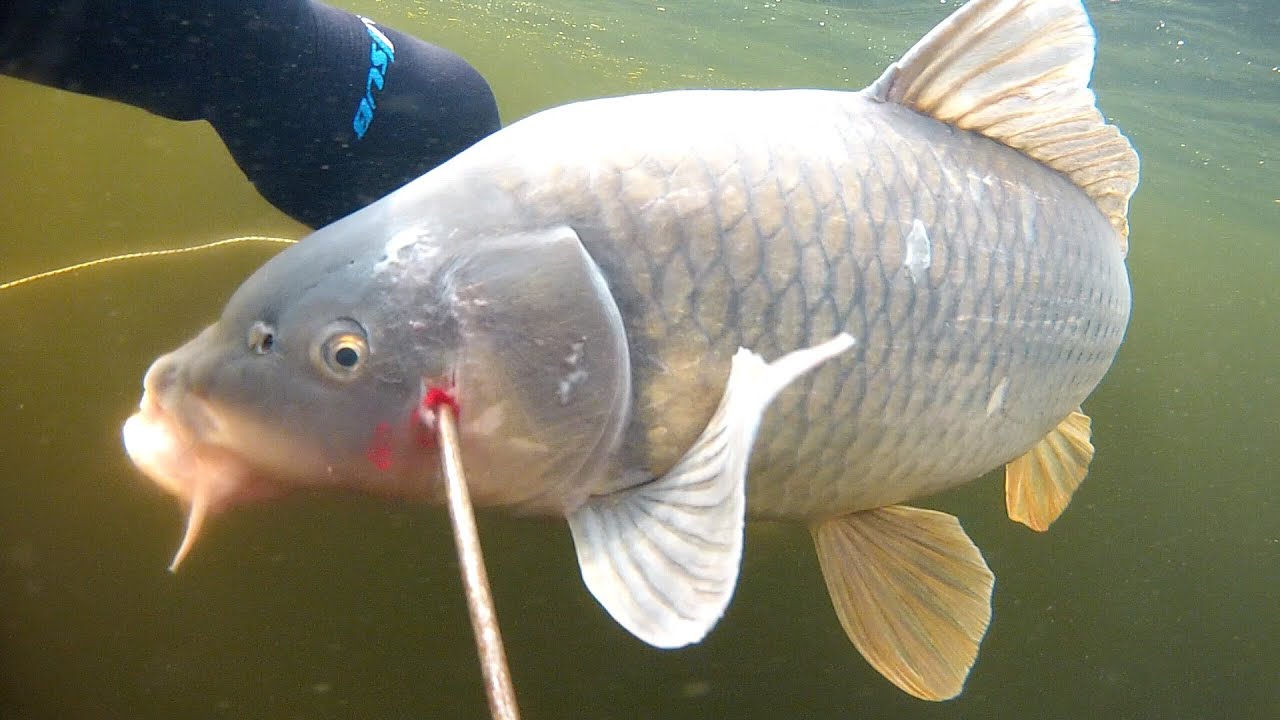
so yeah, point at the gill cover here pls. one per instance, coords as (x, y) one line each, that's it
(543, 371)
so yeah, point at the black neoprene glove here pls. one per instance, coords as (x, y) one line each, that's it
(323, 110)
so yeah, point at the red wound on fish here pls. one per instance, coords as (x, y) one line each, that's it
(379, 450)
(424, 418)
(437, 396)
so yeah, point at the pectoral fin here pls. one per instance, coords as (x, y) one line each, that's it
(663, 557)
(1038, 485)
(912, 592)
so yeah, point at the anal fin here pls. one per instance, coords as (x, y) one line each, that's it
(663, 557)
(912, 592)
(1039, 485)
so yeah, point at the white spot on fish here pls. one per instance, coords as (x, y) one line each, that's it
(567, 385)
(404, 247)
(400, 242)
(996, 401)
(576, 375)
(487, 422)
(918, 253)
(1030, 210)
(575, 354)
(977, 186)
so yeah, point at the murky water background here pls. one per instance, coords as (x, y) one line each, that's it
(1157, 595)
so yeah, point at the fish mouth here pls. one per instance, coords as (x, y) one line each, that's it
(168, 447)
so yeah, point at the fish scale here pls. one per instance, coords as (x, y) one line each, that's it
(777, 256)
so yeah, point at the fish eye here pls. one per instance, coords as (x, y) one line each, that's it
(341, 352)
(262, 338)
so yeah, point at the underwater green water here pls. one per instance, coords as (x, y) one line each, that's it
(1157, 595)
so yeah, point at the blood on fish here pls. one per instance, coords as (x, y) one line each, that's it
(437, 396)
(423, 419)
(379, 451)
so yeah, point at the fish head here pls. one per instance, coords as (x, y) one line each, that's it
(315, 375)
(310, 378)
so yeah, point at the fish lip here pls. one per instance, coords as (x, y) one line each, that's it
(174, 440)
(158, 440)
(206, 477)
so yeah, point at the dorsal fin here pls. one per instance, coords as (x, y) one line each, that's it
(1017, 71)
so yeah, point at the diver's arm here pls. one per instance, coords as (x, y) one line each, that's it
(324, 111)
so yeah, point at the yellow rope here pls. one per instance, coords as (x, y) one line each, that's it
(143, 254)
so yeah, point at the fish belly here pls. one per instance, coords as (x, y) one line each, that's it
(987, 294)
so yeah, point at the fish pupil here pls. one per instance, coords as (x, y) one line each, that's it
(346, 357)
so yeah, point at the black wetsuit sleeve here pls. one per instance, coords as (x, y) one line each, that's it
(323, 110)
